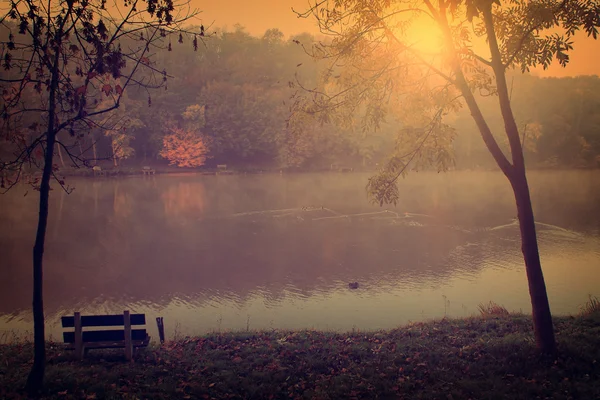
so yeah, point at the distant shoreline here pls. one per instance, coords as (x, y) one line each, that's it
(166, 170)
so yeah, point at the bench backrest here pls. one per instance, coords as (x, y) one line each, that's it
(103, 321)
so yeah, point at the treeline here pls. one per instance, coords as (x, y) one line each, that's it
(228, 103)
(234, 93)
(558, 119)
(246, 84)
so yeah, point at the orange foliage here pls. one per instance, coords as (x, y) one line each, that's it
(184, 148)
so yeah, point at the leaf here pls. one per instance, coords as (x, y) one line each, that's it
(107, 89)
(472, 11)
(118, 89)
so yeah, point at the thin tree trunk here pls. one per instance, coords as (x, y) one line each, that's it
(94, 149)
(542, 318)
(60, 155)
(114, 153)
(515, 172)
(80, 148)
(60, 214)
(35, 379)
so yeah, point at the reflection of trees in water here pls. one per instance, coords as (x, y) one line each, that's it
(184, 200)
(123, 201)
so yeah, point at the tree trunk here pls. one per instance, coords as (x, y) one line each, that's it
(114, 150)
(542, 319)
(60, 155)
(36, 376)
(94, 149)
(35, 379)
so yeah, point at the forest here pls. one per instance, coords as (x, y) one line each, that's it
(229, 103)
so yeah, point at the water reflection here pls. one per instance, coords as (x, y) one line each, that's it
(184, 201)
(222, 252)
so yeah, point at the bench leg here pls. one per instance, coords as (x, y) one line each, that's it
(78, 337)
(128, 344)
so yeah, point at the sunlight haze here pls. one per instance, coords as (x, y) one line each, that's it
(258, 16)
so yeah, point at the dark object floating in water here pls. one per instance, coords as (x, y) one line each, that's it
(353, 285)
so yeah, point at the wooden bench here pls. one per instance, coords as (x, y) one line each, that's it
(98, 171)
(146, 170)
(81, 341)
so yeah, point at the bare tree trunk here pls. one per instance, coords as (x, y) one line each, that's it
(542, 318)
(114, 150)
(60, 155)
(94, 149)
(35, 380)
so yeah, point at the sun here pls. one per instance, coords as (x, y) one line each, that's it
(420, 32)
(425, 36)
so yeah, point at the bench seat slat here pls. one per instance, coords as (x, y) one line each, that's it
(105, 336)
(103, 320)
(110, 345)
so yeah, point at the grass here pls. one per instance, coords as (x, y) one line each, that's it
(492, 309)
(591, 307)
(474, 358)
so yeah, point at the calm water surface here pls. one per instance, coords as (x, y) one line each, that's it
(269, 251)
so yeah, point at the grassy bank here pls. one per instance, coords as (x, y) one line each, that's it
(478, 358)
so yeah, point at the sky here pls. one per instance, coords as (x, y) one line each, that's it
(259, 15)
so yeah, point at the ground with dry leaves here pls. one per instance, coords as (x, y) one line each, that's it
(477, 358)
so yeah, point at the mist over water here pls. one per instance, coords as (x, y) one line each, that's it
(278, 251)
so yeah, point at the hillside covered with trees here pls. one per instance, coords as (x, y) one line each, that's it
(229, 101)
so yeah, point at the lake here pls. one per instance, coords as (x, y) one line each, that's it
(212, 253)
